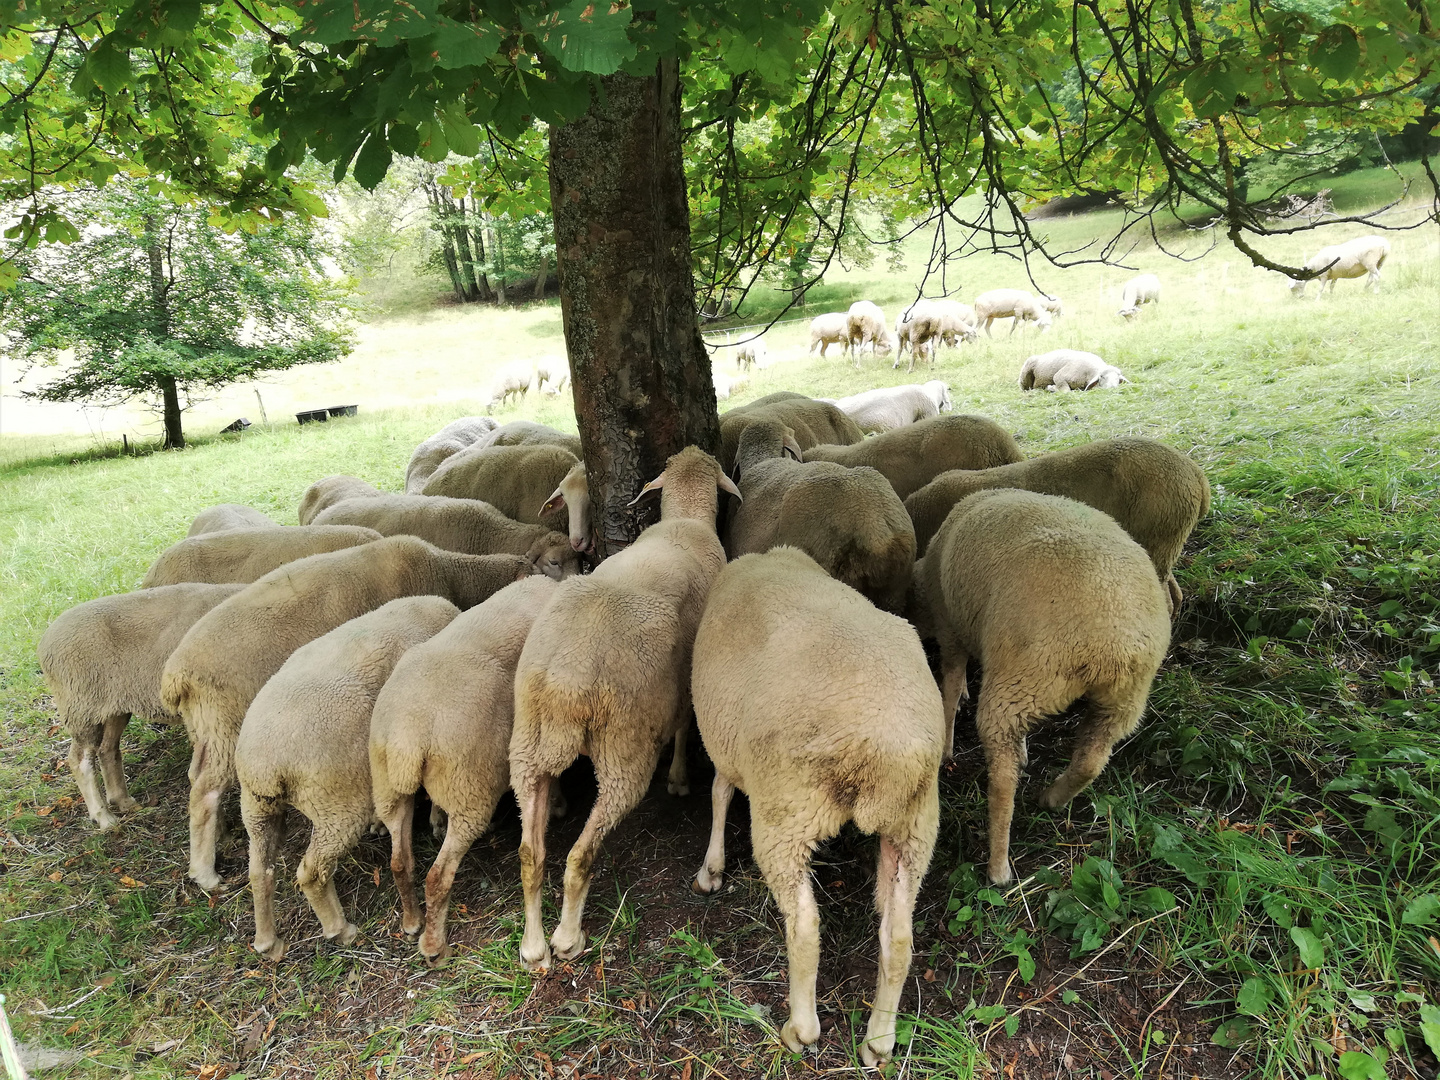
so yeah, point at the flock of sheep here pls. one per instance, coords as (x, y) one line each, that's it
(446, 638)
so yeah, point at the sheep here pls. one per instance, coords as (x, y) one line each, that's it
(329, 491)
(752, 353)
(246, 555)
(1138, 291)
(811, 423)
(552, 375)
(606, 671)
(1056, 603)
(1069, 369)
(929, 321)
(1015, 304)
(102, 662)
(848, 520)
(1052, 304)
(229, 516)
(573, 496)
(910, 457)
(444, 721)
(516, 480)
(865, 325)
(465, 525)
(305, 743)
(528, 433)
(1363, 255)
(510, 382)
(227, 656)
(1156, 493)
(890, 407)
(823, 711)
(451, 439)
(725, 385)
(832, 328)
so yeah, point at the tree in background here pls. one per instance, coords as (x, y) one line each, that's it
(153, 300)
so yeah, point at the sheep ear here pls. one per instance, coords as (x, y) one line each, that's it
(555, 502)
(792, 448)
(1123, 379)
(1093, 383)
(726, 484)
(653, 485)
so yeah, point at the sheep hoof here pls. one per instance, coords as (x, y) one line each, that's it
(1002, 874)
(434, 958)
(681, 789)
(348, 935)
(797, 1034)
(539, 964)
(208, 880)
(106, 821)
(568, 950)
(874, 1053)
(273, 950)
(127, 805)
(706, 883)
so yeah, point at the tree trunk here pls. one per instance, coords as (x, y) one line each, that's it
(540, 277)
(160, 314)
(467, 258)
(170, 393)
(639, 370)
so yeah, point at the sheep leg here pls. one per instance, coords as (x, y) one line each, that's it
(84, 749)
(534, 797)
(953, 688)
(1173, 595)
(400, 820)
(786, 867)
(329, 841)
(264, 821)
(1108, 722)
(1002, 724)
(111, 766)
(679, 779)
(212, 768)
(902, 866)
(464, 831)
(712, 871)
(437, 820)
(616, 799)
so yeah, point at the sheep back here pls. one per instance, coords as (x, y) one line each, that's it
(246, 555)
(529, 433)
(449, 440)
(911, 456)
(229, 516)
(812, 423)
(330, 490)
(516, 480)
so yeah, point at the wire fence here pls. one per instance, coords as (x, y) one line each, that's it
(734, 335)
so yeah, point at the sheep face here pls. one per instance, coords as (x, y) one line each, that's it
(1108, 379)
(553, 556)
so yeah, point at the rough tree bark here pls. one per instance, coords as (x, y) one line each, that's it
(639, 371)
(160, 312)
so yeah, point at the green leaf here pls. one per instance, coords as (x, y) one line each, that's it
(460, 133)
(458, 44)
(1025, 964)
(1312, 952)
(1255, 997)
(109, 66)
(590, 37)
(1357, 1065)
(1421, 911)
(404, 139)
(1157, 899)
(1430, 1027)
(180, 14)
(373, 161)
(432, 142)
(1280, 909)
(1069, 997)
(1012, 1024)
(1336, 52)
(1232, 1033)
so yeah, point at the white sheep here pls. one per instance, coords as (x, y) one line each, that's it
(573, 496)
(516, 480)
(890, 407)
(449, 440)
(552, 375)
(1156, 493)
(230, 516)
(1052, 304)
(752, 353)
(811, 422)
(865, 325)
(1138, 291)
(1015, 304)
(606, 672)
(529, 433)
(1069, 369)
(305, 743)
(329, 491)
(513, 381)
(443, 722)
(1055, 602)
(848, 519)
(822, 710)
(1364, 255)
(832, 328)
(932, 321)
(229, 654)
(725, 385)
(911, 456)
(102, 662)
(246, 555)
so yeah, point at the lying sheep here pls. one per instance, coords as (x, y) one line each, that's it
(306, 743)
(225, 658)
(228, 516)
(1157, 494)
(465, 525)
(752, 353)
(329, 491)
(529, 433)
(850, 521)
(1138, 291)
(890, 407)
(832, 328)
(606, 672)
(449, 440)
(444, 721)
(865, 325)
(246, 555)
(1069, 369)
(1015, 304)
(511, 382)
(1363, 255)
(811, 423)
(516, 480)
(911, 456)
(822, 710)
(1056, 603)
(102, 662)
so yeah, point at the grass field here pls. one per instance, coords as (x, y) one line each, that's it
(1251, 888)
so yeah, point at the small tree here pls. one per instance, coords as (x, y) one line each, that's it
(155, 301)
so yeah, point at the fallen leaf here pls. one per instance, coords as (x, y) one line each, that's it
(164, 1046)
(131, 883)
(470, 1059)
(44, 811)
(685, 1072)
(56, 876)
(929, 975)
(73, 1028)
(105, 981)
(254, 1039)
(376, 872)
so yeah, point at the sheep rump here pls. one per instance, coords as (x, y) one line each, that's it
(246, 555)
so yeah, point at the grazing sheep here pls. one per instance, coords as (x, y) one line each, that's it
(1156, 493)
(1069, 369)
(444, 721)
(529, 433)
(931, 321)
(511, 382)
(865, 325)
(848, 520)
(1056, 603)
(516, 480)
(725, 385)
(306, 743)
(552, 375)
(752, 353)
(449, 440)
(832, 328)
(466, 525)
(822, 711)
(911, 456)
(102, 662)
(606, 672)
(811, 423)
(329, 491)
(226, 657)
(1138, 291)
(246, 555)
(890, 407)
(228, 516)
(1052, 304)
(1363, 255)
(1015, 304)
